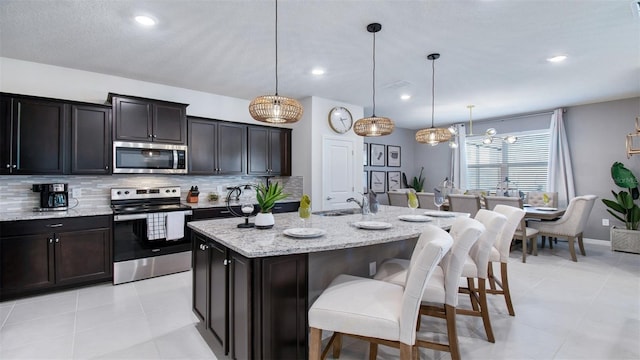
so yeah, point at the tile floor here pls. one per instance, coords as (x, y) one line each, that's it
(564, 310)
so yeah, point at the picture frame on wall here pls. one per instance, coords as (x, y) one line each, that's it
(365, 154)
(365, 182)
(377, 155)
(378, 181)
(393, 156)
(393, 180)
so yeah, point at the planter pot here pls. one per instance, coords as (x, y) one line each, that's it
(264, 220)
(625, 240)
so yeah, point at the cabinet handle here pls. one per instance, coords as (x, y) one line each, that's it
(54, 225)
(203, 247)
(106, 167)
(226, 262)
(14, 166)
(155, 136)
(8, 166)
(225, 212)
(149, 135)
(57, 240)
(50, 241)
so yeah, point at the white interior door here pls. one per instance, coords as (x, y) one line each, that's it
(337, 173)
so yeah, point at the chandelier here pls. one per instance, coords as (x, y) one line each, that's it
(374, 125)
(433, 135)
(275, 109)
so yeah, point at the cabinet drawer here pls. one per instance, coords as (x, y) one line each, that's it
(214, 213)
(286, 207)
(32, 227)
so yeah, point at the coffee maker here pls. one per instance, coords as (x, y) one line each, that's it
(52, 196)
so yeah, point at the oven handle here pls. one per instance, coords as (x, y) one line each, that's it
(141, 216)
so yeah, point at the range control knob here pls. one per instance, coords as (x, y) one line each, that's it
(167, 191)
(126, 192)
(174, 190)
(119, 193)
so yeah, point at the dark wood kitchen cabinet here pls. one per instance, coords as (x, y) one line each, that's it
(91, 151)
(139, 119)
(43, 255)
(238, 301)
(34, 137)
(216, 147)
(269, 151)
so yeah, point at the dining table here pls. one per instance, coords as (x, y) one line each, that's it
(543, 213)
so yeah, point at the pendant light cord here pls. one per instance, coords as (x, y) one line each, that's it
(433, 88)
(374, 75)
(276, 47)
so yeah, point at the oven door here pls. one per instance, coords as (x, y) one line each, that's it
(130, 240)
(137, 158)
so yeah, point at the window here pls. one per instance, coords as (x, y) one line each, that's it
(524, 162)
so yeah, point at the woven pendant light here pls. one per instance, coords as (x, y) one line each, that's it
(433, 135)
(374, 125)
(276, 109)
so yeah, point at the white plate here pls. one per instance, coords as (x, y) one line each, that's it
(526, 205)
(304, 232)
(372, 225)
(414, 218)
(547, 208)
(444, 214)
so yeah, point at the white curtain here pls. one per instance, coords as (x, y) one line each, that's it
(560, 172)
(459, 159)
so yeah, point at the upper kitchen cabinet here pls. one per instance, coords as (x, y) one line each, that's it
(147, 120)
(216, 147)
(91, 139)
(34, 136)
(269, 151)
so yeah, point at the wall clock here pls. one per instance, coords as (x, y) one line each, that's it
(340, 119)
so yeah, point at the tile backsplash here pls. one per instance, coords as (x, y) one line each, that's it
(16, 194)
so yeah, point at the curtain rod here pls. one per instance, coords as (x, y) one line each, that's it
(506, 118)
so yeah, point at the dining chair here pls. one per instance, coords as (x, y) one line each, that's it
(378, 311)
(464, 203)
(397, 198)
(526, 235)
(500, 253)
(570, 225)
(476, 268)
(426, 200)
(536, 198)
(440, 297)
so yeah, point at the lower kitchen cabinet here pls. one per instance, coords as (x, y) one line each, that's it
(238, 301)
(43, 255)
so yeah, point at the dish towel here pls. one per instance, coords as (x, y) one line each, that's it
(175, 225)
(156, 226)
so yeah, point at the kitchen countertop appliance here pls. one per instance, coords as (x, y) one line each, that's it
(52, 196)
(150, 237)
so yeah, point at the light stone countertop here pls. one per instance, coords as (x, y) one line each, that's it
(29, 214)
(206, 204)
(341, 234)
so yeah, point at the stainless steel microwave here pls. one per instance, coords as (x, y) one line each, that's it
(149, 158)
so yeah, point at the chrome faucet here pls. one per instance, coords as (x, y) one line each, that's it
(364, 204)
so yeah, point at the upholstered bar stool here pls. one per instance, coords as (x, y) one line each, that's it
(440, 298)
(500, 253)
(426, 200)
(476, 268)
(528, 236)
(398, 198)
(377, 311)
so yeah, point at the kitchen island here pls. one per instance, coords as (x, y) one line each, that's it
(252, 288)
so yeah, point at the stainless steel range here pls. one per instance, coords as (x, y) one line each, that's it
(150, 234)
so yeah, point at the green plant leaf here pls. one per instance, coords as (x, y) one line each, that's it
(267, 196)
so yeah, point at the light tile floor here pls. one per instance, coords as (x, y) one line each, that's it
(564, 310)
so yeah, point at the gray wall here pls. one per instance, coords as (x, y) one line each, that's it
(596, 136)
(405, 139)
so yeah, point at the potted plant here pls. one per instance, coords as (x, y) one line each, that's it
(417, 183)
(267, 196)
(625, 209)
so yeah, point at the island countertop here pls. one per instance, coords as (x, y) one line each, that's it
(340, 232)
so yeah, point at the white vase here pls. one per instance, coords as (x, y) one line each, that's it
(264, 220)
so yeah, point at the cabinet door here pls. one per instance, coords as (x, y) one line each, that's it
(218, 290)
(200, 271)
(258, 150)
(82, 256)
(277, 152)
(240, 300)
(5, 135)
(169, 123)
(232, 149)
(26, 263)
(39, 137)
(202, 147)
(90, 140)
(133, 119)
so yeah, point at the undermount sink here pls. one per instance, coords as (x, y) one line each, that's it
(339, 212)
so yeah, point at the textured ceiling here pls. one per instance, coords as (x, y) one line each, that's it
(492, 52)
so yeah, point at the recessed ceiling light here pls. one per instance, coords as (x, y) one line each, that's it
(145, 20)
(317, 71)
(405, 96)
(558, 58)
